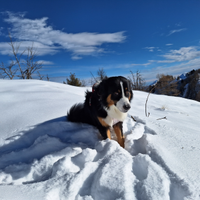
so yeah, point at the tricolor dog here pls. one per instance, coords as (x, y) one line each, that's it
(105, 107)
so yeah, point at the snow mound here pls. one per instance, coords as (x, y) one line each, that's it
(74, 164)
(57, 159)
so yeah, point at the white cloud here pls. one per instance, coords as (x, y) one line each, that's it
(183, 54)
(145, 64)
(79, 44)
(169, 44)
(180, 55)
(152, 49)
(176, 31)
(164, 61)
(175, 70)
(45, 62)
(182, 60)
(76, 57)
(41, 49)
(178, 24)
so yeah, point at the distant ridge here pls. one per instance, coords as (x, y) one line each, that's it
(187, 85)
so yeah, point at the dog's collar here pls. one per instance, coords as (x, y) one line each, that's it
(93, 87)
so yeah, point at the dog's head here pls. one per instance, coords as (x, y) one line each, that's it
(116, 91)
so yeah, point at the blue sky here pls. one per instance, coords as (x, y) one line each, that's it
(82, 36)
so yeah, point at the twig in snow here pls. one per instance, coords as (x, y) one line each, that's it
(133, 118)
(147, 115)
(162, 118)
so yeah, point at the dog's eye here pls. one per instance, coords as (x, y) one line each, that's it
(116, 93)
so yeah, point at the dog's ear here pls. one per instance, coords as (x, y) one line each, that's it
(99, 87)
(130, 86)
(131, 97)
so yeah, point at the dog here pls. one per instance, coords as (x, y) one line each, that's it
(105, 107)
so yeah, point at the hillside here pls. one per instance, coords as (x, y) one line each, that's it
(43, 156)
(189, 85)
(186, 85)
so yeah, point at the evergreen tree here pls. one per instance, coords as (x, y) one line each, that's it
(72, 80)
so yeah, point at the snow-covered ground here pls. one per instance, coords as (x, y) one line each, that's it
(45, 157)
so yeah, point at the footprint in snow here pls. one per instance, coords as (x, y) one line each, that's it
(82, 167)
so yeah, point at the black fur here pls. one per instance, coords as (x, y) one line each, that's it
(96, 102)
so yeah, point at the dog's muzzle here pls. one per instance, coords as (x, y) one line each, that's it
(123, 105)
(126, 107)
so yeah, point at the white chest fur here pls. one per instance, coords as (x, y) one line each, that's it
(114, 115)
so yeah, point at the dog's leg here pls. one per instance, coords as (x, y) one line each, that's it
(119, 133)
(108, 134)
(104, 130)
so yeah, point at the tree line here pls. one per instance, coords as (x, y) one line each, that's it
(24, 65)
(137, 81)
(189, 87)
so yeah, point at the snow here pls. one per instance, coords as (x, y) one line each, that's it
(43, 156)
(154, 83)
(186, 89)
(183, 76)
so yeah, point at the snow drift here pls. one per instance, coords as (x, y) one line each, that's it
(43, 156)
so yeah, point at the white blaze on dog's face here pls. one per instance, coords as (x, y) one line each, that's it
(123, 104)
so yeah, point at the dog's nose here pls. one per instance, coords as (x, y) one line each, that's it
(126, 107)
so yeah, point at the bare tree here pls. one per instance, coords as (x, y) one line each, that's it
(48, 79)
(101, 74)
(15, 49)
(40, 76)
(7, 71)
(30, 65)
(83, 83)
(137, 81)
(92, 81)
(18, 67)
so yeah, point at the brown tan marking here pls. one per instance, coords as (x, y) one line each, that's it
(120, 138)
(129, 98)
(109, 100)
(129, 94)
(103, 123)
(108, 134)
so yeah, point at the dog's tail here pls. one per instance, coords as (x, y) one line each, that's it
(75, 114)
